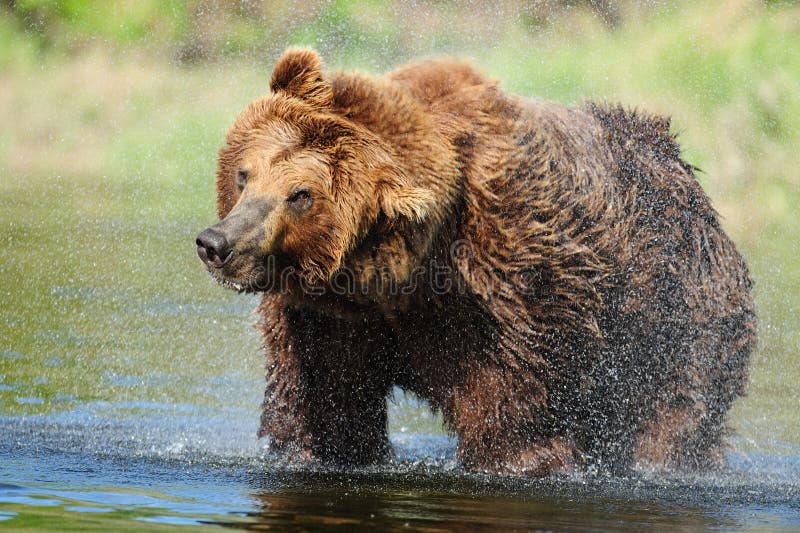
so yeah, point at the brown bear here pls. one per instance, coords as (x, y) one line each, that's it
(552, 279)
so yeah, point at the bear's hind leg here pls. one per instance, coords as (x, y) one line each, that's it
(676, 438)
(502, 425)
(687, 428)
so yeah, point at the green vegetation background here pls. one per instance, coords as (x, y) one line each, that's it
(112, 113)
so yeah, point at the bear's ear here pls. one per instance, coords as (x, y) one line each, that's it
(399, 199)
(298, 73)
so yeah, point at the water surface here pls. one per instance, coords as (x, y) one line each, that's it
(89, 471)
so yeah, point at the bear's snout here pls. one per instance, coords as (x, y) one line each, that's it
(213, 248)
(237, 241)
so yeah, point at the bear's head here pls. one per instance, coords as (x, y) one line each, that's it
(300, 185)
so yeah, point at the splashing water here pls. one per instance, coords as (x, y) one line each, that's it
(130, 384)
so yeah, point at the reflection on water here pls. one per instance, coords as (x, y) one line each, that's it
(212, 471)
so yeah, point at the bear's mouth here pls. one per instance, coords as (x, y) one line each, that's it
(229, 283)
(243, 272)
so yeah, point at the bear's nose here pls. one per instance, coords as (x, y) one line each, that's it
(213, 248)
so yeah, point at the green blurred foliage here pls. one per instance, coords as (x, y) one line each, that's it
(360, 29)
(55, 22)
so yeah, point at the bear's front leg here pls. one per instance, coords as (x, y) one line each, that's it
(326, 389)
(502, 425)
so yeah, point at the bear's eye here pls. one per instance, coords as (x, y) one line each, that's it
(300, 199)
(241, 178)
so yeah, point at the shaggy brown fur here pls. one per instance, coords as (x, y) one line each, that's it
(553, 279)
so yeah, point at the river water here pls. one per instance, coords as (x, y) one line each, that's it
(84, 470)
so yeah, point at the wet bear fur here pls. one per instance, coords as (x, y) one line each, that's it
(552, 279)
